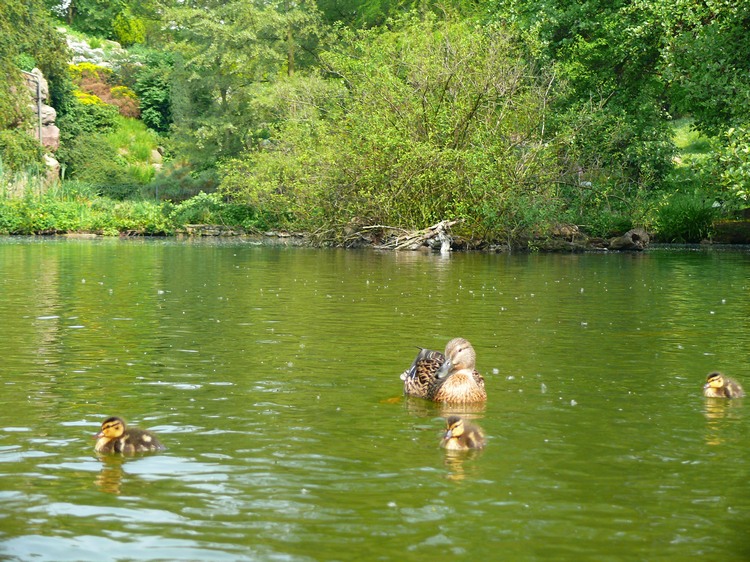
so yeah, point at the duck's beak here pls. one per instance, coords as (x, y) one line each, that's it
(707, 385)
(448, 434)
(444, 369)
(98, 435)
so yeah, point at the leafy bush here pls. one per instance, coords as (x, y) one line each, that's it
(128, 29)
(685, 218)
(92, 159)
(734, 164)
(209, 208)
(51, 214)
(443, 121)
(19, 151)
(148, 73)
(177, 182)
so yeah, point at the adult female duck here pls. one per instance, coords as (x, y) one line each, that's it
(446, 377)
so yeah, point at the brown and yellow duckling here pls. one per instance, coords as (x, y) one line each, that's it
(446, 377)
(116, 437)
(719, 386)
(461, 435)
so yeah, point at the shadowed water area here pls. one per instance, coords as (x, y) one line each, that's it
(272, 376)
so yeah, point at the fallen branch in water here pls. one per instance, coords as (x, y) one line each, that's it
(416, 239)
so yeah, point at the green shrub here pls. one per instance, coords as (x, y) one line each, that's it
(25, 61)
(685, 218)
(128, 29)
(79, 118)
(10, 215)
(176, 182)
(734, 164)
(200, 209)
(20, 152)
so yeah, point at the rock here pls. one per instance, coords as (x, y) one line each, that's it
(635, 239)
(49, 115)
(51, 136)
(53, 169)
(83, 52)
(50, 133)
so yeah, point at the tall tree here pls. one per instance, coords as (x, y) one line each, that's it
(609, 53)
(228, 53)
(708, 62)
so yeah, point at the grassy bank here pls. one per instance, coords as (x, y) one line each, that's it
(71, 209)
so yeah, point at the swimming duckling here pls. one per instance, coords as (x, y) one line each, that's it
(446, 377)
(719, 386)
(115, 437)
(461, 435)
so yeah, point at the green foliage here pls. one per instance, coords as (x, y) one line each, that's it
(128, 29)
(53, 213)
(734, 164)
(85, 118)
(177, 182)
(116, 163)
(226, 53)
(96, 17)
(75, 207)
(708, 64)
(684, 217)
(441, 120)
(209, 208)
(19, 152)
(25, 62)
(153, 87)
(43, 47)
(688, 140)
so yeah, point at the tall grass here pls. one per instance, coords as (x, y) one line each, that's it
(133, 140)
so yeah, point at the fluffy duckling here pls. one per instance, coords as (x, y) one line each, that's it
(115, 437)
(719, 386)
(461, 435)
(446, 377)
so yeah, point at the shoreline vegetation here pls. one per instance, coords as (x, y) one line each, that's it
(505, 127)
(439, 238)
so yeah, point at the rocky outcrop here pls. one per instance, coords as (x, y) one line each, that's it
(39, 91)
(83, 52)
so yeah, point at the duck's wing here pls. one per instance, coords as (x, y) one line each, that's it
(733, 389)
(478, 378)
(421, 375)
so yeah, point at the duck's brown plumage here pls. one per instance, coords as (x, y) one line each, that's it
(719, 386)
(446, 377)
(116, 437)
(461, 435)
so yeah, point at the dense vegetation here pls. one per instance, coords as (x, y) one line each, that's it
(510, 116)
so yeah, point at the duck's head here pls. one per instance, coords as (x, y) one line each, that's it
(714, 380)
(455, 427)
(112, 428)
(459, 355)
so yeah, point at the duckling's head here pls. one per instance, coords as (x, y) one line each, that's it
(459, 355)
(112, 428)
(455, 427)
(714, 380)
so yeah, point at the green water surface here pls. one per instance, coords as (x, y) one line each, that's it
(272, 376)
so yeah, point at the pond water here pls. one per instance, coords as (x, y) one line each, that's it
(272, 376)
